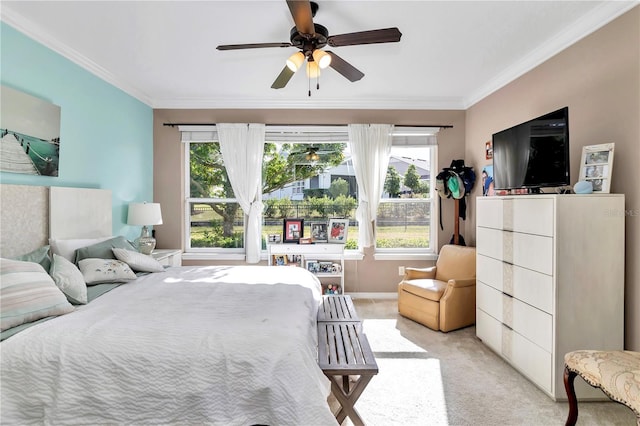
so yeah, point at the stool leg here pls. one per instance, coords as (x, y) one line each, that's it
(569, 377)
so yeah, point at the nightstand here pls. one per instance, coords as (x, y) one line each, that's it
(168, 257)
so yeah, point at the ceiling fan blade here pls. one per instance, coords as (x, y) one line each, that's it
(283, 78)
(386, 35)
(350, 72)
(302, 16)
(252, 46)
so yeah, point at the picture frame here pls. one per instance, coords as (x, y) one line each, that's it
(279, 260)
(488, 150)
(596, 166)
(325, 267)
(319, 232)
(338, 231)
(274, 238)
(313, 266)
(487, 181)
(293, 230)
(305, 240)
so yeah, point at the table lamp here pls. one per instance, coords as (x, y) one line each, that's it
(145, 215)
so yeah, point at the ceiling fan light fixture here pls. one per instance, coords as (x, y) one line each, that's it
(295, 61)
(313, 156)
(313, 71)
(322, 58)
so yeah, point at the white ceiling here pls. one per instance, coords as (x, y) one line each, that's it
(452, 53)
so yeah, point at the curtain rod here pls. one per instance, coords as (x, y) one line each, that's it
(442, 126)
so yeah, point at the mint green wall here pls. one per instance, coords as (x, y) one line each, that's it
(106, 136)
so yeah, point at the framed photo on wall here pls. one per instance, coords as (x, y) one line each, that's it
(596, 166)
(338, 230)
(293, 230)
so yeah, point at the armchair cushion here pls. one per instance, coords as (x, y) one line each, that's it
(429, 289)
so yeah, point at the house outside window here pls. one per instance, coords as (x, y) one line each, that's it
(297, 184)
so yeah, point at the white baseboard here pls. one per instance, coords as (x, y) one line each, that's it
(390, 295)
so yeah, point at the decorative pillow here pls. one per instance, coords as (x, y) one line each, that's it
(103, 250)
(96, 271)
(28, 293)
(67, 248)
(139, 262)
(69, 279)
(40, 255)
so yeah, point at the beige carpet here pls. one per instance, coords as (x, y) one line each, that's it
(432, 378)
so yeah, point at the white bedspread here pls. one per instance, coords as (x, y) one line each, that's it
(191, 345)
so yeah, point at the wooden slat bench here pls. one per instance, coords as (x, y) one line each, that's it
(343, 351)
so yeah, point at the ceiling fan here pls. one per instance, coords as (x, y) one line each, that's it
(310, 38)
(312, 153)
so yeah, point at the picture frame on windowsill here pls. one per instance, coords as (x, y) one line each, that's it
(293, 230)
(338, 231)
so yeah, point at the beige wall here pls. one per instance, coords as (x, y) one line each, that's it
(598, 78)
(366, 275)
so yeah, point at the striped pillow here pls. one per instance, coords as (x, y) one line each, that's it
(28, 293)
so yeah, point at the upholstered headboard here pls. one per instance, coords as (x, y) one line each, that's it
(30, 215)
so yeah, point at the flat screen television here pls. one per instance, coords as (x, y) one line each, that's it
(533, 154)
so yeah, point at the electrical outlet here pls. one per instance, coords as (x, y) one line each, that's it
(400, 270)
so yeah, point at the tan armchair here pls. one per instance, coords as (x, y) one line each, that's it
(442, 297)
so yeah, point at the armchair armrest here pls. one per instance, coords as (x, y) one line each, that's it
(419, 273)
(455, 283)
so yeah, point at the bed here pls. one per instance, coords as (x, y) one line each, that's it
(223, 345)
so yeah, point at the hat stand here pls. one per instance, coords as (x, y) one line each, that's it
(456, 222)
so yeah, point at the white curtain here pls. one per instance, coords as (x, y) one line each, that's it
(242, 147)
(370, 150)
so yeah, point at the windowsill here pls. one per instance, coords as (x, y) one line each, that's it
(212, 256)
(348, 255)
(405, 256)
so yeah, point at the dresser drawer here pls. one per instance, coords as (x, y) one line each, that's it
(529, 286)
(532, 287)
(533, 361)
(528, 251)
(532, 323)
(489, 300)
(529, 215)
(490, 271)
(489, 330)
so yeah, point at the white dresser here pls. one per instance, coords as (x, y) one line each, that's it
(550, 280)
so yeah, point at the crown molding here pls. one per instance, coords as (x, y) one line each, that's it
(234, 103)
(28, 28)
(591, 22)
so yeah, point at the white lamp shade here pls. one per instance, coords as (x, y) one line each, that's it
(313, 70)
(144, 214)
(322, 58)
(295, 61)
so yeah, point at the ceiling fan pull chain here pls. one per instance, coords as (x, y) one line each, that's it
(318, 81)
(309, 82)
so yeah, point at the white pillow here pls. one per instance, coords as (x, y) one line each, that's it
(27, 293)
(69, 279)
(96, 271)
(67, 248)
(138, 261)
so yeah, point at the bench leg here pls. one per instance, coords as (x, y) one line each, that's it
(348, 399)
(569, 377)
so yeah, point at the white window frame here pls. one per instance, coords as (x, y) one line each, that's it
(402, 136)
(417, 253)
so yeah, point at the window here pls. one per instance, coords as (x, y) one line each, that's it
(216, 220)
(307, 174)
(405, 212)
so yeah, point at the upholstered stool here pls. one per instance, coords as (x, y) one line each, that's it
(617, 373)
